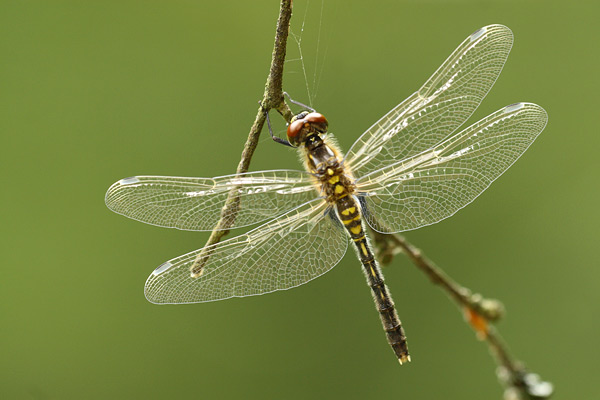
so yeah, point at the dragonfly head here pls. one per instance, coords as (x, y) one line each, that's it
(305, 124)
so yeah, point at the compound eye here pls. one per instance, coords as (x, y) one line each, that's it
(315, 117)
(317, 121)
(294, 129)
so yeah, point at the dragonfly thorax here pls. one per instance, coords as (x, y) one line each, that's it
(304, 125)
(323, 160)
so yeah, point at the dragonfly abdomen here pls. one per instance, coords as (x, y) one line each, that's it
(337, 185)
(349, 213)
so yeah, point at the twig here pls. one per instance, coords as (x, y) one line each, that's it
(272, 99)
(490, 309)
(479, 312)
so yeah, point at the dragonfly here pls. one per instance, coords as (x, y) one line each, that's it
(410, 169)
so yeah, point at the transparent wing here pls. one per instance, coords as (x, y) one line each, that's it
(427, 188)
(287, 252)
(195, 203)
(436, 110)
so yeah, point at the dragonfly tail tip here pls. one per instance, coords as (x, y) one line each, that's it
(404, 359)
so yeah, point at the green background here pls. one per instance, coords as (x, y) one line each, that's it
(95, 91)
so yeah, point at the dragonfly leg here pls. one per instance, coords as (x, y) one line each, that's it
(275, 138)
(298, 103)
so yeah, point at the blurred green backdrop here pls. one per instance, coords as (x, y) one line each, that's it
(95, 91)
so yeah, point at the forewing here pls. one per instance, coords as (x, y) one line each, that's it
(287, 252)
(436, 110)
(195, 203)
(434, 185)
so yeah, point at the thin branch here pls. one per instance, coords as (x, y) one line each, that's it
(272, 99)
(490, 309)
(519, 383)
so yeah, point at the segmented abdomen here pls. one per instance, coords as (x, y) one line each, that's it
(349, 213)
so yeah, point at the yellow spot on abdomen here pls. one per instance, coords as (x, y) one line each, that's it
(334, 180)
(349, 221)
(339, 189)
(364, 250)
(349, 210)
(356, 230)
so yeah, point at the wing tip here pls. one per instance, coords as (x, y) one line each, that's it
(132, 180)
(513, 107)
(496, 29)
(128, 181)
(478, 33)
(162, 268)
(525, 105)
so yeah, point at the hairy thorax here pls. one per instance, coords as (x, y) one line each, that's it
(323, 160)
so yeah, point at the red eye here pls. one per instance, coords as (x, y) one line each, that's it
(294, 129)
(316, 118)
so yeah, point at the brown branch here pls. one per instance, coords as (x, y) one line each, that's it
(479, 312)
(387, 245)
(272, 99)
